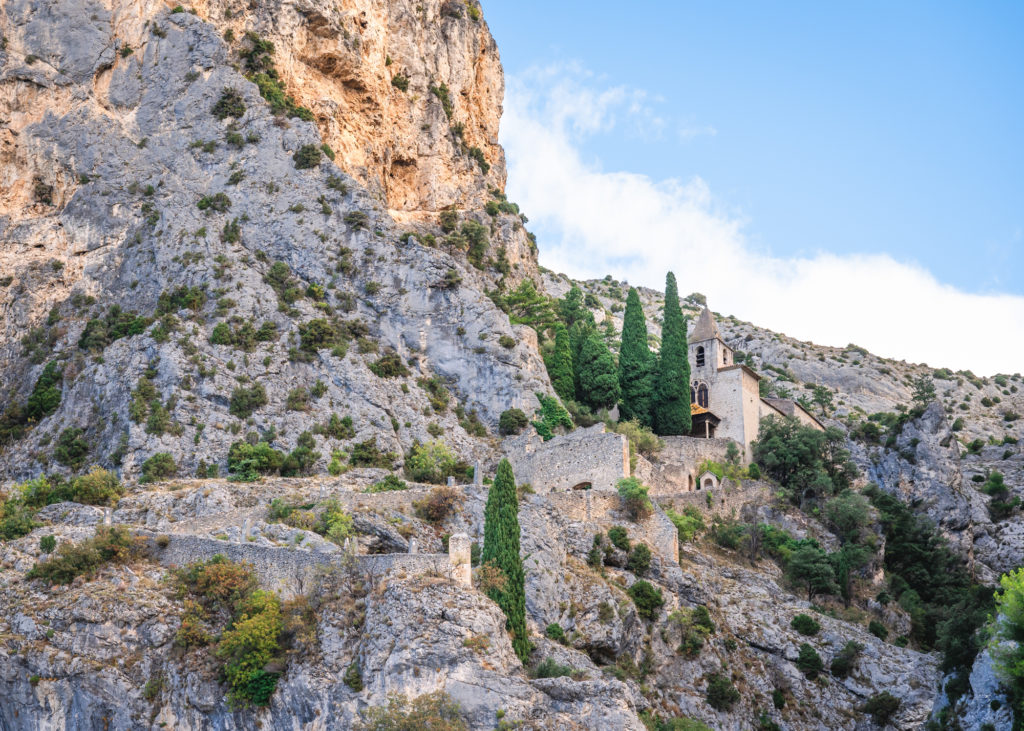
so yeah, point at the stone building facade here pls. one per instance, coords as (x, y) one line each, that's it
(725, 396)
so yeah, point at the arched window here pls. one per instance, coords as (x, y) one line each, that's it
(708, 483)
(702, 395)
(725, 357)
(700, 356)
(693, 395)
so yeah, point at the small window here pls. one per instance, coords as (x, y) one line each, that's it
(702, 395)
(700, 356)
(693, 395)
(725, 357)
(709, 483)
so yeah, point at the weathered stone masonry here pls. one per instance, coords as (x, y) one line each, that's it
(585, 458)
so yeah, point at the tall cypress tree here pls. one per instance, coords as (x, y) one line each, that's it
(635, 363)
(597, 379)
(501, 549)
(559, 365)
(672, 383)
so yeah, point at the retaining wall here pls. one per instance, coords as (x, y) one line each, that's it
(674, 469)
(726, 500)
(560, 464)
(604, 508)
(292, 571)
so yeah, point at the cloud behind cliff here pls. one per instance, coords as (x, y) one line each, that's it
(593, 222)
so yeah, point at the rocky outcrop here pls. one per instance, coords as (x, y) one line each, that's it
(140, 189)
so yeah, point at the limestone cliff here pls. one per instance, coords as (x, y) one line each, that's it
(125, 185)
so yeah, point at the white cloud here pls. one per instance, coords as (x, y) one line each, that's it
(626, 224)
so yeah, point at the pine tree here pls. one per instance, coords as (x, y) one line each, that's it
(635, 364)
(501, 550)
(671, 409)
(597, 377)
(559, 365)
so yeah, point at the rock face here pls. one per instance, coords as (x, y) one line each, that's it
(122, 184)
(224, 224)
(104, 648)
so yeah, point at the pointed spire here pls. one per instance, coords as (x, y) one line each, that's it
(705, 329)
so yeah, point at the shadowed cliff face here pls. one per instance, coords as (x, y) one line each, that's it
(139, 159)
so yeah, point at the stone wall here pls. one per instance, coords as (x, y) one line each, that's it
(727, 500)
(292, 571)
(560, 464)
(674, 470)
(603, 509)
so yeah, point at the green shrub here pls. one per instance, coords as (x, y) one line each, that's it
(430, 462)
(160, 466)
(878, 629)
(307, 156)
(432, 712)
(47, 544)
(721, 694)
(639, 559)
(353, 677)
(71, 449)
(97, 487)
(218, 202)
(245, 401)
(842, 663)
(389, 365)
(551, 668)
(647, 598)
(809, 662)
(551, 415)
(387, 484)
(247, 462)
(634, 498)
(110, 544)
(805, 625)
(881, 707)
(368, 454)
(116, 324)
(16, 519)
(400, 81)
(46, 395)
(512, 421)
(555, 632)
(688, 524)
(230, 104)
(619, 537)
(695, 626)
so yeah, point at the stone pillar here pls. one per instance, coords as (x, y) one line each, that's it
(459, 553)
(478, 474)
(413, 546)
(451, 481)
(108, 516)
(246, 529)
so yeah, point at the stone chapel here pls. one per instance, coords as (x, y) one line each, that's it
(724, 396)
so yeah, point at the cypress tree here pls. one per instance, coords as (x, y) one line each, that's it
(635, 364)
(501, 549)
(671, 408)
(572, 310)
(559, 365)
(597, 377)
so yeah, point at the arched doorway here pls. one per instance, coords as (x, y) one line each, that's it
(582, 486)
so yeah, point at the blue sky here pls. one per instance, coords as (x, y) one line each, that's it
(888, 134)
